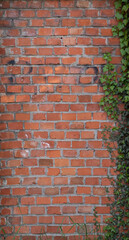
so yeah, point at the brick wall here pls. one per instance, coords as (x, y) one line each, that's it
(53, 161)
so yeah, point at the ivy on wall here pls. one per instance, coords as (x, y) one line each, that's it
(116, 103)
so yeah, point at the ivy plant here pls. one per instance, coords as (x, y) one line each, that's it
(116, 104)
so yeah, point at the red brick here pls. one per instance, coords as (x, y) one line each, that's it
(95, 144)
(100, 22)
(52, 150)
(21, 210)
(11, 145)
(99, 4)
(43, 13)
(38, 210)
(93, 107)
(5, 211)
(37, 153)
(53, 171)
(61, 31)
(5, 23)
(9, 201)
(2, 126)
(22, 116)
(62, 125)
(92, 200)
(52, 191)
(80, 144)
(29, 219)
(107, 13)
(22, 171)
(76, 89)
(45, 51)
(99, 116)
(68, 171)
(82, 4)
(45, 31)
(83, 116)
(21, 153)
(61, 162)
(7, 135)
(99, 41)
(84, 61)
(84, 171)
(75, 51)
(84, 22)
(27, 200)
(27, 13)
(20, 23)
(43, 200)
(60, 13)
(102, 153)
(69, 98)
(76, 13)
(92, 181)
(29, 107)
(68, 22)
(23, 98)
(92, 31)
(47, 125)
(83, 190)
(57, 135)
(53, 153)
(85, 98)
(6, 117)
(69, 153)
(5, 172)
(61, 107)
(68, 60)
(45, 219)
(54, 41)
(37, 229)
(59, 200)
(77, 162)
(73, 134)
(60, 180)
(53, 116)
(100, 171)
(34, 4)
(68, 116)
(91, 13)
(69, 80)
(51, 4)
(91, 51)
(53, 210)
(106, 32)
(20, 4)
(31, 125)
(75, 199)
(61, 70)
(18, 191)
(78, 31)
(13, 181)
(77, 107)
(54, 98)
(52, 22)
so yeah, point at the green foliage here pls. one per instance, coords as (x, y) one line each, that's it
(116, 104)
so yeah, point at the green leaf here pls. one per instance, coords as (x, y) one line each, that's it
(119, 16)
(125, 8)
(117, 4)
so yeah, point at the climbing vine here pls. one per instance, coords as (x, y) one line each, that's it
(116, 103)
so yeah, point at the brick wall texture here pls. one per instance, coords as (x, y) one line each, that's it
(54, 163)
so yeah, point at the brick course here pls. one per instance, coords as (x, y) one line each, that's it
(53, 160)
